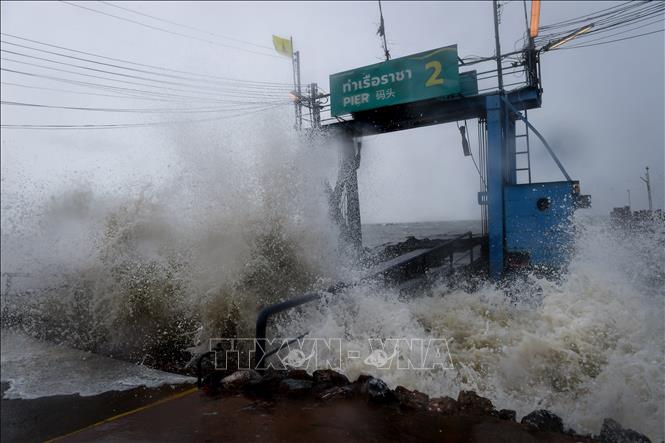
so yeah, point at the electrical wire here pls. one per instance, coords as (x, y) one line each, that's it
(131, 92)
(615, 18)
(585, 17)
(156, 28)
(130, 125)
(640, 13)
(69, 91)
(226, 94)
(130, 110)
(185, 26)
(190, 79)
(612, 41)
(233, 80)
(266, 93)
(646, 25)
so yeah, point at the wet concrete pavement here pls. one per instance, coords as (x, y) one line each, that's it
(196, 417)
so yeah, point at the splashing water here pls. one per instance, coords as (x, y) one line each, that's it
(143, 270)
(587, 347)
(240, 220)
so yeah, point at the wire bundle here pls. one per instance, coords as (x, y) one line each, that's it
(29, 64)
(635, 18)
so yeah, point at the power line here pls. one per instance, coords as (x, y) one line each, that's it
(131, 125)
(646, 25)
(126, 95)
(87, 60)
(232, 94)
(268, 92)
(589, 16)
(143, 64)
(130, 110)
(138, 93)
(156, 28)
(618, 20)
(185, 26)
(612, 41)
(629, 13)
(69, 91)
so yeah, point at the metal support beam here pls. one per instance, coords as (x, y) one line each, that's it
(496, 167)
(429, 112)
(352, 198)
(315, 106)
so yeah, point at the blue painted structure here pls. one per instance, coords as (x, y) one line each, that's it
(539, 221)
(513, 226)
(531, 220)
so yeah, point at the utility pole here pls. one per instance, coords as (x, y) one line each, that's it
(499, 70)
(295, 60)
(647, 180)
(296, 76)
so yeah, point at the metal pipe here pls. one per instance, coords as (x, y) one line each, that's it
(535, 131)
(265, 313)
(262, 322)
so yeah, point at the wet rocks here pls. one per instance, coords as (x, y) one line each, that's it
(543, 420)
(336, 392)
(328, 377)
(613, 432)
(443, 405)
(508, 414)
(298, 374)
(328, 386)
(295, 387)
(470, 403)
(239, 380)
(267, 384)
(375, 390)
(412, 400)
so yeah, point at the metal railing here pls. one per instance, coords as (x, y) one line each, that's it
(440, 252)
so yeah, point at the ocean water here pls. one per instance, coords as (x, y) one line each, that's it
(377, 234)
(144, 270)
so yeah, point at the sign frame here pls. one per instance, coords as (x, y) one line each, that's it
(415, 77)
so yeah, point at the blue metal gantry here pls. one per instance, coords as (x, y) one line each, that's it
(528, 224)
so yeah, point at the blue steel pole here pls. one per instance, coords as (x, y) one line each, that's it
(495, 182)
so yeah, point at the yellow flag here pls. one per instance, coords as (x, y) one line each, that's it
(283, 46)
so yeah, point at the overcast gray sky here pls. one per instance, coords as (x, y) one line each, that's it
(603, 106)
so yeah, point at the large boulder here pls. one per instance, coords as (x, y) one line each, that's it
(613, 432)
(239, 380)
(543, 420)
(267, 384)
(375, 390)
(328, 377)
(295, 388)
(413, 400)
(508, 414)
(298, 374)
(443, 405)
(470, 403)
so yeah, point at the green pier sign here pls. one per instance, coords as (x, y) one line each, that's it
(407, 79)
